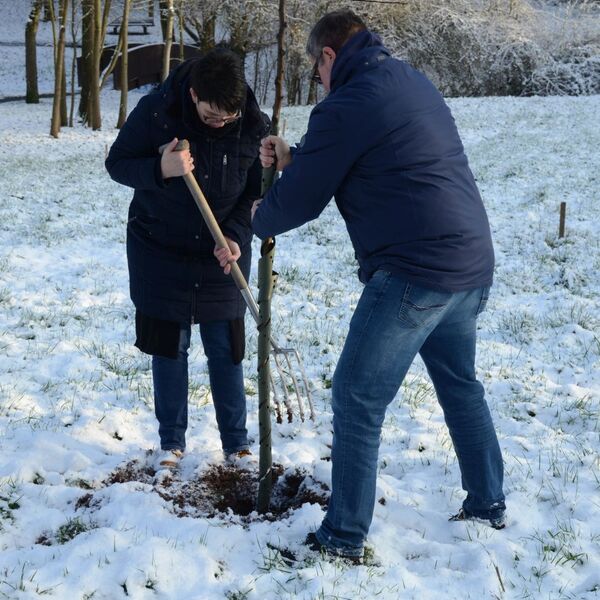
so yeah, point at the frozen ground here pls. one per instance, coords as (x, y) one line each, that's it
(75, 396)
(81, 517)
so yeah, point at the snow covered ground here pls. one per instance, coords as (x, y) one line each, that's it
(82, 517)
(75, 396)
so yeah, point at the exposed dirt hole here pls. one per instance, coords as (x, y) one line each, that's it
(225, 489)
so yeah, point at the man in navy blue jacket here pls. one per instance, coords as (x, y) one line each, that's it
(385, 145)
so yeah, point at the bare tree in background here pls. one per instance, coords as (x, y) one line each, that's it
(124, 65)
(48, 10)
(180, 28)
(74, 59)
(51, 18)
(59, 70)
(300, 16)
(167, 14)
(200, 22)
(280, 69)
(94, 117)
(32, 95)
(94, 25)
(245, 23)
(87, 56)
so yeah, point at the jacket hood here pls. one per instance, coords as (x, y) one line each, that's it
(360, 53)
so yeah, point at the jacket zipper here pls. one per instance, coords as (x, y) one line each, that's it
(193, 307)
(210, 155)
(224, 172)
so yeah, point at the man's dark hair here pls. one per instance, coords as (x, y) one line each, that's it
(333, 29)
(218, 78)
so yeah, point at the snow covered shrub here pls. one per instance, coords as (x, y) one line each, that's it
(487, 47)
(574, 72)
(467, 48)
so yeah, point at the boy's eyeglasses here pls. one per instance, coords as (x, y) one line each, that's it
(210, 120)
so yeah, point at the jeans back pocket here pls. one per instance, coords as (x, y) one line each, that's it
(422, 306)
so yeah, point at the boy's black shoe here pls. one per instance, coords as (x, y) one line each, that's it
(463, 515)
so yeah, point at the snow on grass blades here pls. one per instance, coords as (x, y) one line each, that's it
(76, 403)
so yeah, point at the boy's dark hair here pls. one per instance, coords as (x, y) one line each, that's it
(333, 29)
(218, 78)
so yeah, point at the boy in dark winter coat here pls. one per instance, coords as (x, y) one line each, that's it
(175, 277)
(385, 145)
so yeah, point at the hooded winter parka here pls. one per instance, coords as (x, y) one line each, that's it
(174, 275)
(385, 145)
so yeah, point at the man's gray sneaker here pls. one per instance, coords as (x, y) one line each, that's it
(463, 515)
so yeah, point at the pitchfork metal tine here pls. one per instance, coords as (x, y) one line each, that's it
(294, 381)
(286, 396)
(286, 352)
(305, 381)
(276, 399)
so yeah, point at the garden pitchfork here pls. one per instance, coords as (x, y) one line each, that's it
(279, 353)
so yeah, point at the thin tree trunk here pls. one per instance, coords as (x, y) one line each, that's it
(63, 18)
(113, 61)
(48, 11)
(52, 20)
(124, 66)
(95, 116)
(265, 291)
(32, 95)
(95, 23)
(104, 25)
(256, 66)
(168, 40)
(87, 56)
(239, 39)
(208, 34)
(64, 119)
(267, 252)
(279, 76)
(162, 13)
(312, 93)
(59, 63)
(73, 62)
(181, 20)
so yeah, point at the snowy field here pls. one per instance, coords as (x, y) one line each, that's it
(82, 516)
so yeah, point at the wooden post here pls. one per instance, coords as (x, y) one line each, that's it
(563, 214)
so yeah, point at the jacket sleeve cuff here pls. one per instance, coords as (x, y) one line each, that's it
(239, 237)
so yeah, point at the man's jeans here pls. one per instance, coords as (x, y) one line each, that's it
(393, 321)
(226, 383)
